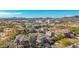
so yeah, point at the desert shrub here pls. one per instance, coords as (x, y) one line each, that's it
(4, 43)
(65, 42)
(75, 30)
(12, 46)
(59, 36)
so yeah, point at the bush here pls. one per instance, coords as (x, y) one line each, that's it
(74, 29)
(4, 43)
(65, 42)
(12, 46)
(59, 37)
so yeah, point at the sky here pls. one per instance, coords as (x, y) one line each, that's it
(38, 13)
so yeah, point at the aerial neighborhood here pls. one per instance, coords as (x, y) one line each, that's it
(39, 32)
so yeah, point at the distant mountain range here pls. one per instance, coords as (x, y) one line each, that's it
(72, 17)
(22, 18)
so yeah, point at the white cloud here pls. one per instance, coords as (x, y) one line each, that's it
(8, 13)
